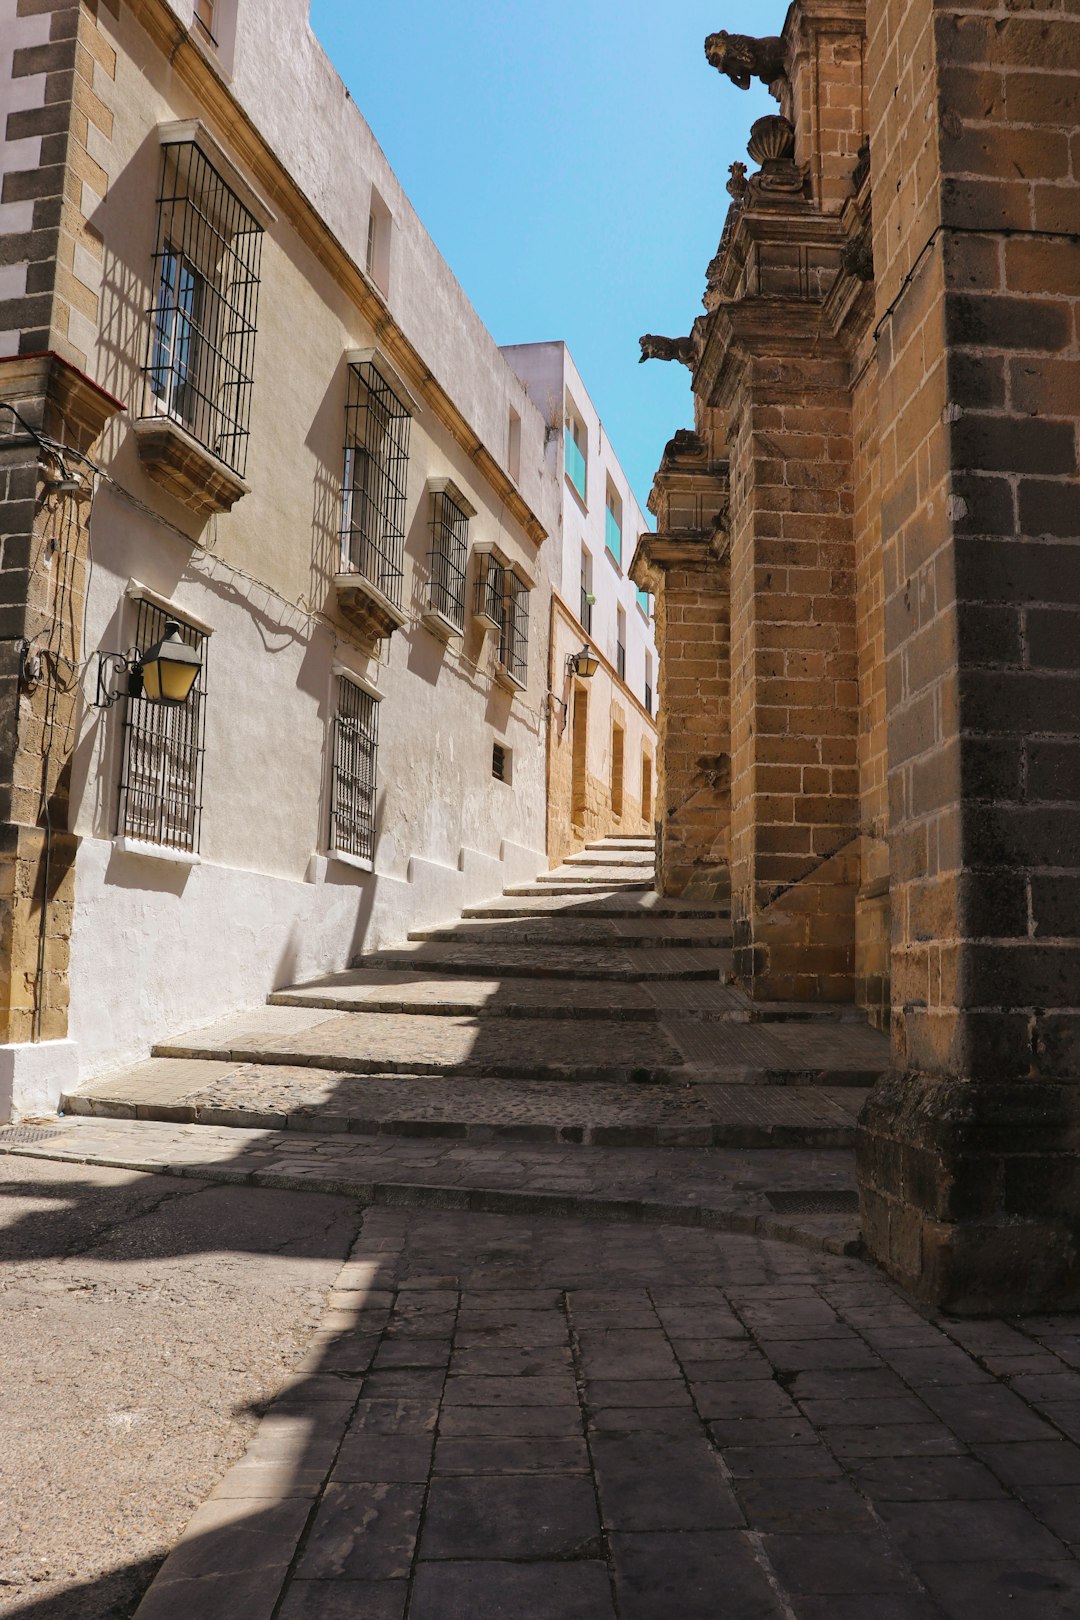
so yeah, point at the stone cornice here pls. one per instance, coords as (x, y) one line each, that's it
(200, 77)
(756, 328)
(655, 554)
(84, 406)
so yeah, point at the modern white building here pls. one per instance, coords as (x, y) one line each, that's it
(282, 426)
(602, 740)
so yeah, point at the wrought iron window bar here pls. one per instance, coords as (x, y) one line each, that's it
(161, 775)
(489, 602)
(203, 322)
(448, 559)
(514, 635)
(356, 752)
(498, 762)
(377, 428)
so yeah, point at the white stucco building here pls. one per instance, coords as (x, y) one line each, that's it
(602, 743)
(303, 446)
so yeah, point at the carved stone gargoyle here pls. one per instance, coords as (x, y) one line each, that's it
(742, 59)
(684, 349)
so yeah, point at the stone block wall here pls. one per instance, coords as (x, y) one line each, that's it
(967, 1155)
(65, 72)
(694, 791)
(794, 711)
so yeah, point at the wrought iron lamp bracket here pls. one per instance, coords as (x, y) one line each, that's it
(115, 664)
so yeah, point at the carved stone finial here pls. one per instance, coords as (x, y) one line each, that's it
(683, 349)
(772, 144)
(742, 59)
(737, 186)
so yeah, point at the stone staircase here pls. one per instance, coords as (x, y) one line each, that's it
(582, 1009)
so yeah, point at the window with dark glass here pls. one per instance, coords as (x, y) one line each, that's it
(449, 558)
(161, 771)
(201, 345)
(586, 605)
(356, 749)
(620, 644)
(376, 469)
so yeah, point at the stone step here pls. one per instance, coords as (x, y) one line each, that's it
(630, 841)
(575, 889)
(672, 1050)
(775, 1192)
(253, 1097)
(380, 990)
(612, 878)
(550, 903)
(600, 860)
(453, 1047)
(634, 933)
(622, 964)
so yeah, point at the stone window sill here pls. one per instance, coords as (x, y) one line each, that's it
(180, 464)
(156, 852)
(359, 863)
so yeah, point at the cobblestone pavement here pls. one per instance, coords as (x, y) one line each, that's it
(525, 1418)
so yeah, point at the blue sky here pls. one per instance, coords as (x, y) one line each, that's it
(569, 161)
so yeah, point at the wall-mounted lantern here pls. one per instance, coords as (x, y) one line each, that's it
(584, 663)
(164, 674)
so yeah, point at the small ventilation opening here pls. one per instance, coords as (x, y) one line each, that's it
(500, 762)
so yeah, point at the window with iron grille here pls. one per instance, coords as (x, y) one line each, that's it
(376, 469)
(491, 591)
(201, 344)
(449, 558)
(514, 637)
(161, 772)
(356, 749)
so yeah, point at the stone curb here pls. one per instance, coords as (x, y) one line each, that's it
(827, 1234)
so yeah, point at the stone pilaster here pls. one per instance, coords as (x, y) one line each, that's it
(43, 557)
(685, 566)
(968, 1161)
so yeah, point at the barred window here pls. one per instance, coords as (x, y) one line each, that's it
(491, 591)
(161, 774)
(206, 289)
(356, 749)
(514, 637)
(376, 469)
(449, 558)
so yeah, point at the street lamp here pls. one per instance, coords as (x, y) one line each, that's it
(585, 663)
(166, 673)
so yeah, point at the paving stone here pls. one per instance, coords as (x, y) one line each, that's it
(509, 1516)
(828, 1562)
(1005, 1591)
(368, 1457)
(688, 1574)
(513, 1455)
(788, 1505)
(1037, 1462)
(926, 1479)
(478, 1422)
(345, 1600)
(363, 1532)
(506, 1591)
(969, 1532)
(987, 1414)
(647, 1482)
